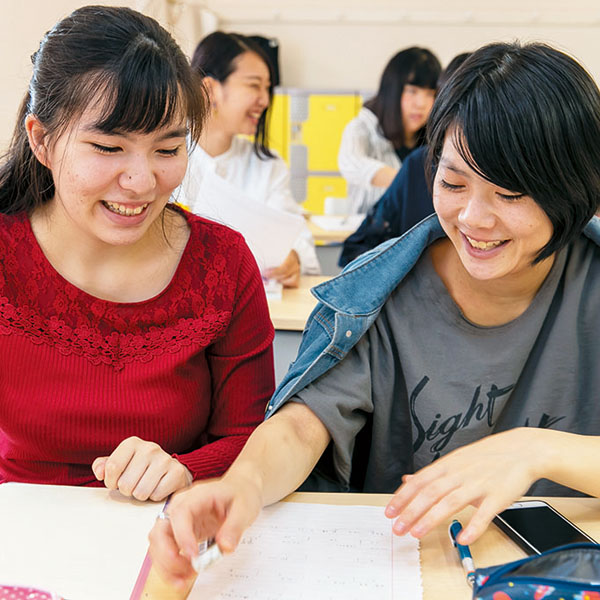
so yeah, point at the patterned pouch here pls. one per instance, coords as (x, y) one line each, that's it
(569, 572)
(17, 592)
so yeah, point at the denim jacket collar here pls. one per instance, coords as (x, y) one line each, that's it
(349, 304)
(364, 286)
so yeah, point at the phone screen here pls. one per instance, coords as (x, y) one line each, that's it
(542, 527)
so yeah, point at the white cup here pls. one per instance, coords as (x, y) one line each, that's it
(336, 206)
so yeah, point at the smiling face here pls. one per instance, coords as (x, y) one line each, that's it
(416, 104)
(495, 232)
(109, 187)
(240, 100)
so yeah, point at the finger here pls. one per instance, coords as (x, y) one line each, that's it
(172, 481)
(408, 490)
(98, 467)
(117, 462)
(274, 273)
(185, 530)
(165, 554)
(422, 502)
(449, 505)
(239, 517)
(483, 516)
(292, 281)
(144, 470)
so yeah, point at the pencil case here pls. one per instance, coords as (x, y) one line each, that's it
(569, 572)
(17, 592)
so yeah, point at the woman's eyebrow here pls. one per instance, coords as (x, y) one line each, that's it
(256, 77)
(172, 133)
(447, 164)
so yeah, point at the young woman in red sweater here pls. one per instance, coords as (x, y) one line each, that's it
(135, 340)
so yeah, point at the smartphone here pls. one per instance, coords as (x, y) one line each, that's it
(536, 527)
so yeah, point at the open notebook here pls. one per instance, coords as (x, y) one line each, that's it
(90, 544)
(303, 551)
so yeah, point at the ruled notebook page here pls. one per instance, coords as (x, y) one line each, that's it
(302, 551)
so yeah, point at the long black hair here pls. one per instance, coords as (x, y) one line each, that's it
(215, 56)
(413, 66)
(527, 119)
(117, 57)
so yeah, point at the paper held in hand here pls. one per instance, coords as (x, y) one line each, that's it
(270, 233)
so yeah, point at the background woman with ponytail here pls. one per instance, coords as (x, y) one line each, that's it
(238, 76)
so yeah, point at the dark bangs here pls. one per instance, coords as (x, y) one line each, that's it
(425, 74)
(527, 119)
(145, 92)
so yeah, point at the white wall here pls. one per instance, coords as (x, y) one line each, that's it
(331, 44)
(342, 44)
(22, 26)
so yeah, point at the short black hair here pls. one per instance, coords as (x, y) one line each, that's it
(526, 117)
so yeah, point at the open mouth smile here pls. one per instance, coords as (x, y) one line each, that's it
(121, 209)
(483, 245)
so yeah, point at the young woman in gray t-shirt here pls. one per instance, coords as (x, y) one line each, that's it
(514, 141)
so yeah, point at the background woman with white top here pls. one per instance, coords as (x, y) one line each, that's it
(389, 126)
(238, 77)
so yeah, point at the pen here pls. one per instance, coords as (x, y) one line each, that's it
(463, 552)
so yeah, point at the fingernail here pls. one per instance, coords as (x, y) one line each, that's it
(391, 511)
(417, 531)
(464, 537)
(227, 544)
(399, 527)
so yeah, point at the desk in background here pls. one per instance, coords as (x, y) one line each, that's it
(328, 244)
(289, 316)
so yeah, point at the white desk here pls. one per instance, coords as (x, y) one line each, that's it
(64, 537)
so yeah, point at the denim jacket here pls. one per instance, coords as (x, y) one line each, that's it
(349, 304)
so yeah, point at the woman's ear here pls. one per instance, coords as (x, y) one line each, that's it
(36, 134)
(214, 88)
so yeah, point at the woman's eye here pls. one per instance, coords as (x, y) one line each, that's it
(510, 197)
(450, 186)
(106, 149)
(169, 151)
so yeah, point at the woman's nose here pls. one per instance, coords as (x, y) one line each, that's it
(138, 176)
(476, 213)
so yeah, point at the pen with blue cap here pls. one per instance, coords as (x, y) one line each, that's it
(463, 552)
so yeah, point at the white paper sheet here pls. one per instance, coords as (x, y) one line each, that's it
(300, 551)
(270, 233)
(81, 543)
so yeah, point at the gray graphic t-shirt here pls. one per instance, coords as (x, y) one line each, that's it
(424, 380)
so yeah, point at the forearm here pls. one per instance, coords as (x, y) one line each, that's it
(570, 460)
(384, 177)
(281, 452)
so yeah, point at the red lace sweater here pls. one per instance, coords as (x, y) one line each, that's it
(190, 369)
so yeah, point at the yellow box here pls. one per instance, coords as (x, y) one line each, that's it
(278, 127)
(328, 115)
(318, 188)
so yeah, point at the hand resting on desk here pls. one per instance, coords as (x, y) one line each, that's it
(491, 474)
(288, 272)
(141, 469)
